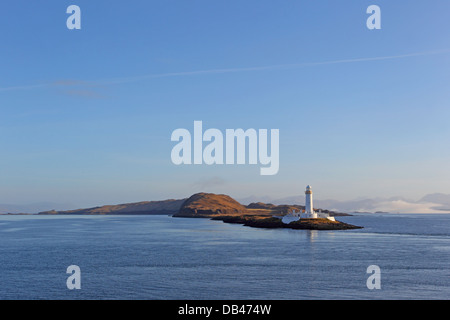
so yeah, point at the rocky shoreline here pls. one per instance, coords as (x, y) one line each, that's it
(276, 223)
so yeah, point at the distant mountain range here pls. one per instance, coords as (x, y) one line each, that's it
(431, 203)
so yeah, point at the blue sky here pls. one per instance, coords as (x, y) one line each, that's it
(86, 115)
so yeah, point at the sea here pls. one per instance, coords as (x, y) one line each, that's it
(145, 257)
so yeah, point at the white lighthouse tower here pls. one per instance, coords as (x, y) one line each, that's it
(309, 209)
(309, 212)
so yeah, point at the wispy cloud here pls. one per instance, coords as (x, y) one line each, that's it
(70, 87)
(209, 183)
(123, 80)
(78, 88)
(85, 94)
(24, 87)
(269, 68)
(70, 82)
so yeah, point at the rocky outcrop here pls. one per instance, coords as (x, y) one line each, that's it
(274, 223)
(209, 204)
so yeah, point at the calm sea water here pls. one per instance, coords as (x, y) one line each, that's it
(159, 257)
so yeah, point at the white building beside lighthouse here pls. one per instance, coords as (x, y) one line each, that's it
(309, 212)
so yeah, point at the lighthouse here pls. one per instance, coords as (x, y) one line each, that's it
(309, 209)
(308, 213)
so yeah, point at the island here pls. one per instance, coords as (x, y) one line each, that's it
(257, 215)
(217, 207)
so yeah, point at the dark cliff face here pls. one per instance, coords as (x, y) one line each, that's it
(208, 204)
